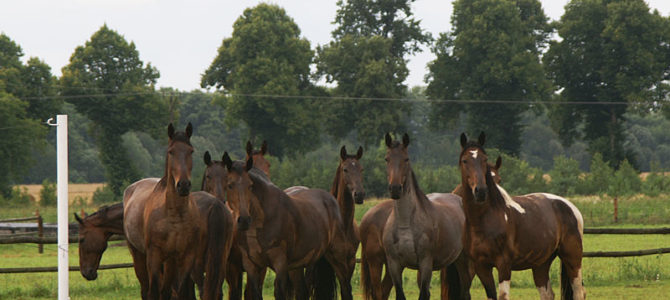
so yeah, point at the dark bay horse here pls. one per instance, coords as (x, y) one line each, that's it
(94, 232)
(259, 157)
(420, 234)
(373, 257)
(284, 233)
(517, 233)
(168, 236)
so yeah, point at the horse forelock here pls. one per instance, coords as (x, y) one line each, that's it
(470, 145)
(181, 136)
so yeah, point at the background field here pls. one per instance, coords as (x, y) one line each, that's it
(605, 278)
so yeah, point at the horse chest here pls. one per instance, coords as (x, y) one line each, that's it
(403, 244)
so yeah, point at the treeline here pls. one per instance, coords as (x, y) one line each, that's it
(594, 81)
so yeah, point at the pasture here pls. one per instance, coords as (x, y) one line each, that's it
(643, 277)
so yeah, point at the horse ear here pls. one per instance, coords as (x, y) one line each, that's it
(389, 140)
(76, 216)
(227, 161)
(189, 130)
(464, 140)
(498, 163)
(250, 163)
(170, 131)
(359, 154)
(482, 139)
(249, 148)
(343, 153)
(405, 140)
(208, 159)
(264, 147)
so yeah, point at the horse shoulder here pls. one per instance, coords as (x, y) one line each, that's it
(134, 201)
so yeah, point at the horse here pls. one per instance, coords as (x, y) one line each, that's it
(373, 257)
(94, 232)
(259, 157)
(285, 233)
(517, 233)
(215, 182)
(419, 234)
(169, 236)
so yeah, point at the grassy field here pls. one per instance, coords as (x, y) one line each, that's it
(605, 278)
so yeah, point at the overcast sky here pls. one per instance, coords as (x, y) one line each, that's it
(180, 37)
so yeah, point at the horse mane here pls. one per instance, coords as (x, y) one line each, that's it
(420, 195)
(336, 181)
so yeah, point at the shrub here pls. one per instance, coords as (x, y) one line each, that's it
(518, 177)
(598, 180)
(104, 194)
(565, 176)
(442, 179)
(48, 193)
(18, 196)
(625, 182)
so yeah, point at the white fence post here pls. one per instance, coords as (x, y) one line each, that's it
(63, 202)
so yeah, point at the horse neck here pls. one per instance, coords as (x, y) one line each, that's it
(344, 199)
(174, 203)
(477, 215)
(412, 201)
(113, 225)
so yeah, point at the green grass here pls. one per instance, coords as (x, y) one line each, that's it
(645, 277)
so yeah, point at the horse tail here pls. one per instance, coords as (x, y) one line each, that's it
(566, 285)
(451, 276)
(219, 241)
(323, 280)
(365, 277)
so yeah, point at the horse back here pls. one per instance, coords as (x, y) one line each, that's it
(134, 200)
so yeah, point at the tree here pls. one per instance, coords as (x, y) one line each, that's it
(492, 54)
(610, 51)
(367, 60)
(264, 71)
(107, 82)
(18, 136)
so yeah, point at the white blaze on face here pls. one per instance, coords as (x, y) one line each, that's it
(504, 290)
(474, 153)
(493, 174)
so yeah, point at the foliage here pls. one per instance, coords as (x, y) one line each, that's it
(565, 176)
(265, 65)
(105, 195)
(491, 54)
(108, 83)
(48, 193)
(518, 177)
(18, 136)
(610, 51)
(597, 181)
(17, 197)
(625, 182)
(367, 60)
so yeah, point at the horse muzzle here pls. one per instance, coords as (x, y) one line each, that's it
(395, 190)
(358, 197)
(480, 194)
(243, 223)
(89, 274)
(184, 187)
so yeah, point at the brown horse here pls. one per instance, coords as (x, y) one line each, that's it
(517, 233)
(259, 157)
(284, 233)
(168, 235)
(94, 232)
(419, 234)
(373, 257)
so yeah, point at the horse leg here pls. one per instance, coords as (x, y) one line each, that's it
(387, 284)
(504, 280)
(156, 274)
(261, 278)
(542, 282)
(140, 266)
(424, 274)
(342, 267)
(394, 269)
(485, 274)
(234, 278)
(297, 277)
(571, 271)
(254, 283)
(460, 272)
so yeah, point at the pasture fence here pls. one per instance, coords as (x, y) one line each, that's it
(9, 225)
(21, 239)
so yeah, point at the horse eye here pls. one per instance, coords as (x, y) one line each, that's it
(406, 159)
(464, 161)
(386, 159)
(345, 170)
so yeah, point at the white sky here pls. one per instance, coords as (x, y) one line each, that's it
(180, 37)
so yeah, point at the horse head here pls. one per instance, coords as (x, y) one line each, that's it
(179, 159)
(474, 167)
(351, 172)
(92, 243)
(215, 177)
(239, 189)
(397, 164)
(259, 157)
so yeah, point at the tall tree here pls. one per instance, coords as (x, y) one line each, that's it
(264, 67)
(492, 54)
(367, 60)
(107, 82)
(610, 51)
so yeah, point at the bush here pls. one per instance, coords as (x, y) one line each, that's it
(48, 193)
(18, 196)
(656, 182)
(104, 194)
(437, 180)
(565, 176)
(518, 177)
(598, 180)
(625, 182)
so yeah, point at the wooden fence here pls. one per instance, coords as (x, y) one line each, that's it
(75, 239)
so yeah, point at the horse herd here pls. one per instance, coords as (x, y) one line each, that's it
(241, 222)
